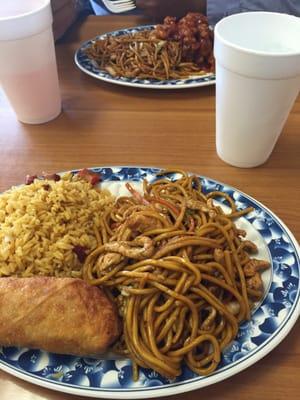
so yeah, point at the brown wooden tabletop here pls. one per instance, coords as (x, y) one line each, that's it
(105, 124)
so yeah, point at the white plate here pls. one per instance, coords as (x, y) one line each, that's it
(91, 68)
(271, 320)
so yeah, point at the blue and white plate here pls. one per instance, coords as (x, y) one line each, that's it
(271, 320)
(91, 68)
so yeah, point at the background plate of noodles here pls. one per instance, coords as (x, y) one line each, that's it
(270, 322)
(90, 67)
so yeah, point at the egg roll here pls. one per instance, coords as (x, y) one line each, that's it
(61, 315)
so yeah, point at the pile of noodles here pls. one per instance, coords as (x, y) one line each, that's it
(180, 272)
(142, 55)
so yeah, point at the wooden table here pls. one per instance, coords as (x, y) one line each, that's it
(104, 124)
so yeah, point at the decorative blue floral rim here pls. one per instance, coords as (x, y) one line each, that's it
(91, 68)
(269, 324)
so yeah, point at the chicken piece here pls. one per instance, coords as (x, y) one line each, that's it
(108, 260)
(206, 208)
(241, 232)
(248, 246)
(255, 282)
(138, 249)
(197, 205)
(140, 223)
(254, 265)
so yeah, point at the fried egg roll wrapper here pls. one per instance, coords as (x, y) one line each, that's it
(61, 315)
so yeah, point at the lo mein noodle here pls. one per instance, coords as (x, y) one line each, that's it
(180, 272)
(173, 50)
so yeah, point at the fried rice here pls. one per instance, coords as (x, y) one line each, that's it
(41, 225)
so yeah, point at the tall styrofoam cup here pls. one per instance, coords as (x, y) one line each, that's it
(257, 81)
(28, 70)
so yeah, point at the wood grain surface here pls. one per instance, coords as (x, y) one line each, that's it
(105, 124)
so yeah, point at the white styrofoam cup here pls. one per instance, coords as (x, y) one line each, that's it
(28, 70)
(257, 81)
